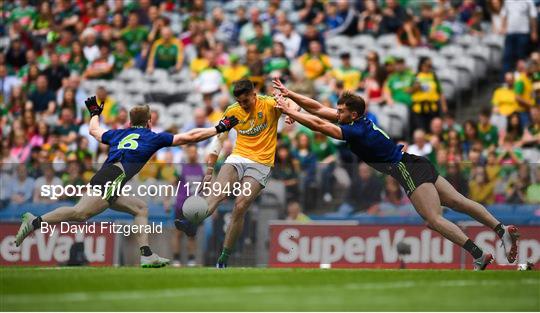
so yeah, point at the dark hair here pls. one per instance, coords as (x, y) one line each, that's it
(515, 131)
(353, 102)
(421, 62)
(243, 86)
(486, 111)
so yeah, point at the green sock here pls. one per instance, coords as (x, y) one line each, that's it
(224, 257)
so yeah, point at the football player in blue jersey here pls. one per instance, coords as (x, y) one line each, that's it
(129, 151)
(421, 181)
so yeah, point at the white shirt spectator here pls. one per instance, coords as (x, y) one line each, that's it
(518, 13)
(23, 188)
(42, 181)
(291, 43)
(6, 85)
(209, 81)
(421, 151)
(91, 53)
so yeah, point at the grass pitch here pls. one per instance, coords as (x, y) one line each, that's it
(250, 289)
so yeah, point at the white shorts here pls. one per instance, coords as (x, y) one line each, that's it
(246, 167)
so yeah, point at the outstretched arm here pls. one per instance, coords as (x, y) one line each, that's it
(310, 121)
(95, 110)
(200, 134)
(312, 106)
(194, 135)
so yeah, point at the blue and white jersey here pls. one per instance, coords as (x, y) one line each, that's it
(133, 147)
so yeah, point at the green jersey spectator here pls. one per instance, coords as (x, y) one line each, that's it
(440, 32)
(278, 61)
(122, 57)
(487, 133)
(23, 13)
(134, 34)
(261, 40)
(397, 88)
(167, 52)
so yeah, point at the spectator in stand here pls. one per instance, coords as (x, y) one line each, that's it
(504, 102)
(316, 64)
(16, 54)
(428, 101)
(495, 12)
(261, 40)
(134, 34)
(247, 32)
(255, 64)
(394, 200)
(409, 34)
(481, 188)
(531, 137)
(348, 74)
(516, 189)
(533, 191)
(66, 128)
(311, 34)
(295, 214)
(122, 57)
(286, 170)
(369, 20)
(103, 66)
(520, 27)
(49, 178)
(456, 178)
(56, 72)
(398, 86)
(373, 79)
(487, 133)
(310, 11)
(425, 19)
(20, 150)
(277, 63)
(7, 83)
(308, 166)
(291, 40)
(393, 16)
(90, 47)
(21, 187)
(77, 62)
(364, 192)
(514, 130)
(523, 89)
(235, 71)
(421, 146)
(166, 53)
(43, 98)
(225, 28)
(470, 135)
(441, 31)
(340, 18)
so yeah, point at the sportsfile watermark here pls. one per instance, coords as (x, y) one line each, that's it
(100, 228)
(109, 189)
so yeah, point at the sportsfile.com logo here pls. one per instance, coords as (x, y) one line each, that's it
(110, 189)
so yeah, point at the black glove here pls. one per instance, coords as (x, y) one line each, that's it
(93, 106)
(226, 124)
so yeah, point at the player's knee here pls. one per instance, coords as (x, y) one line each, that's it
(241, 205)
(238, 212)
(435, 222)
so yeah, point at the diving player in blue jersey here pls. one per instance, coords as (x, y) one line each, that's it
(423, 184)
(129, 151)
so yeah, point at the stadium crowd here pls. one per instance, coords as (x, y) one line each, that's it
(53, 47)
